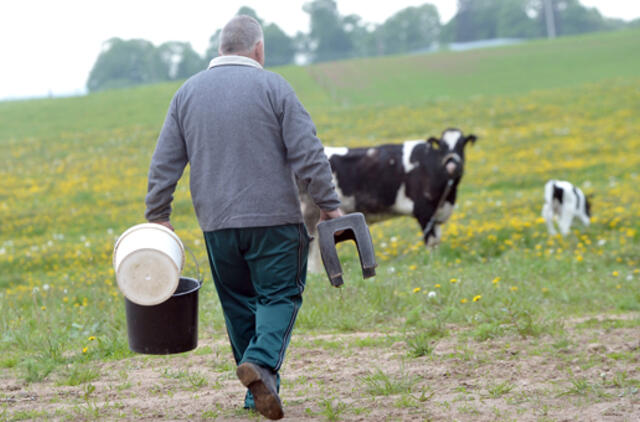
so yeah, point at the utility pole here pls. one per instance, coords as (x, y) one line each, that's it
(550, 19)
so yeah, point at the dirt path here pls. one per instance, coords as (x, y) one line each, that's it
(591, 373)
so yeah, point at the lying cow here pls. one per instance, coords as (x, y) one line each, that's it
(418, 178)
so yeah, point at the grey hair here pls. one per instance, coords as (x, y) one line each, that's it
(240, 35)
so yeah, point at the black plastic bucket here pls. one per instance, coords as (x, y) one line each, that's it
(166, 328)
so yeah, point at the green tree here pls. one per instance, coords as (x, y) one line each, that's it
(365, 38)
(574, 18)
(280, 49)
(127, 62)
(476, 20)
(214, 43)
(410, 29)
(513, 20)
(328, 37)
(488, 19)
(571, 17)
(181, 60)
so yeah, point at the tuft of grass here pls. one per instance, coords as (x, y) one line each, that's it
(621, 380)
(194, 379)
(202, 351)
(197, 380)
(8, 362)
(79, 374)
(500, 389)
(488, 330)
(331, 409)
(380, 384)
(581, 386)
(35, 371)
(420, 344)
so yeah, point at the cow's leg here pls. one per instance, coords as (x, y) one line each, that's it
(423, 212)
(311, 215)
(433, 238)
(566, 217)
(314, 264)
(585, 219)
(547, 214)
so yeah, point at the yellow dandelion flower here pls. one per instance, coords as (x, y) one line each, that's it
(615, 273)
(496, 280)
(579, 258)
(412, 267)
(514, 288)
(44, 308)
(477, 298)
(463, 300)
(454, 280)
(92, 338)
(84, 349)
(416, 290)
(619, 286)
(437, 286)
(545, 290)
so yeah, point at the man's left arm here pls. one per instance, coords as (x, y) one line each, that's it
(306, 154)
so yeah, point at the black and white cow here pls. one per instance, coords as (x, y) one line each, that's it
(562, 202)
(396, 179)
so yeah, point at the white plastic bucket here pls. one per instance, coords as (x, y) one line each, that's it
(148, 260)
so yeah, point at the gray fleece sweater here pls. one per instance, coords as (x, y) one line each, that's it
(246, 137)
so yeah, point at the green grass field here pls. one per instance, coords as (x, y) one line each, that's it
(73, 174)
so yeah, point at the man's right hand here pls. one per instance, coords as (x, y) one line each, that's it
(167, 224)
(328, 215)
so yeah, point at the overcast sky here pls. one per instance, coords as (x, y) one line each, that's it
(49, 46)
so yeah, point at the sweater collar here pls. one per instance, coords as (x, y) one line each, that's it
(233, 60)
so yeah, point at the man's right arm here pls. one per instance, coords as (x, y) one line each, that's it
(167, 164)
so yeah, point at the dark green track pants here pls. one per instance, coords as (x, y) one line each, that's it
(260, 275)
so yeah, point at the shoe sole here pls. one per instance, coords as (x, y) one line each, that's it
(267, 402)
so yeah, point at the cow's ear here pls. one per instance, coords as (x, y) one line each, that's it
(434, 142)
(471, 138)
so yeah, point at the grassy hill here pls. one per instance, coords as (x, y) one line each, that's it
(387, 81)
(73, 174)
(515, 69)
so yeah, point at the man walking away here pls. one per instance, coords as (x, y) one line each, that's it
(247, 138)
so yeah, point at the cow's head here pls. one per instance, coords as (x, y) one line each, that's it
(451, 150)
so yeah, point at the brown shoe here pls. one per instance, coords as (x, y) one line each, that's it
(262, 384)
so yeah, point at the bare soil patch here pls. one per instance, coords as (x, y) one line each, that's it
(590, 373)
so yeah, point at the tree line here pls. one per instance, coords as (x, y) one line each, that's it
(333, 36)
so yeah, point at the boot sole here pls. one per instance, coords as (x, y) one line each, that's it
(267, 402)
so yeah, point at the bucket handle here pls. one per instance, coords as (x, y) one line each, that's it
(188, 249)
